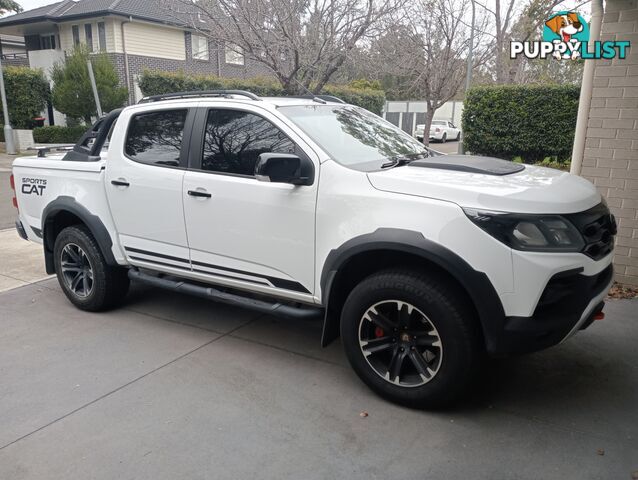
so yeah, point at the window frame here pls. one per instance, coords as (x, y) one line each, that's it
(101, 36)
(199, 134)
(228, 48)
(52, 41)
(186, 136)
(75, 35)
(88, 36)
(197, 37)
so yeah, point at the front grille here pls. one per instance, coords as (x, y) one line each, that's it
(598, 228)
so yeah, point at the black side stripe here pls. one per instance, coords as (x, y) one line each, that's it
(159, 263)
(277, 282)
(147, 260)
(153, 254)
(231, 276)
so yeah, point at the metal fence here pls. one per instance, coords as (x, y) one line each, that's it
(408, 114)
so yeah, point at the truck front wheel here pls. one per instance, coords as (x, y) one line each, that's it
(85, 277)
(411, 338)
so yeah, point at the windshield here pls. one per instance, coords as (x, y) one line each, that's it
(353, 136)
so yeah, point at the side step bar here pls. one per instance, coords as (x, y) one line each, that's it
(211, 293)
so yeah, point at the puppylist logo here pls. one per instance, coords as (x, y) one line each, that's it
(566, 36)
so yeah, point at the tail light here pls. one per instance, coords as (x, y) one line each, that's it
(14, 200)
(437, 130)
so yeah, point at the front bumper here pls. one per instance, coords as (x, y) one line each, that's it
(569, 302)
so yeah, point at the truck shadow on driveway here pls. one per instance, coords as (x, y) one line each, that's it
(592, 375)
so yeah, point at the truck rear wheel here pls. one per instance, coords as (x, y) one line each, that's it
(410, 338)
(85, 277)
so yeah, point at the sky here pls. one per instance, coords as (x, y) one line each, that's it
(31, 4)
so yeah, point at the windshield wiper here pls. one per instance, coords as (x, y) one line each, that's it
(400, 161)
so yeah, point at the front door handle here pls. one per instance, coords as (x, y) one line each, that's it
(120, 183)
(199, 193)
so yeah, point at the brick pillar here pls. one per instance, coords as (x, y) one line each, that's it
(611, 148)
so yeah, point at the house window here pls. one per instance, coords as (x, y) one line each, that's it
(47, 42)
(88, 33)
(75, 30)
(234, 55)
(101, 35)
(199, 47)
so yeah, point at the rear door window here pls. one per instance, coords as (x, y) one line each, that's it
(156, 137)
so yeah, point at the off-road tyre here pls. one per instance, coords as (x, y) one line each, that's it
(101, 286)
(446, 309)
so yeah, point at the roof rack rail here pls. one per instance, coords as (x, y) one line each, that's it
(330, 98)
(201, 93)
(321, 98)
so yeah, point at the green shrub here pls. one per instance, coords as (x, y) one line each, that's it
(552, 162)
(157, 83)
(72, 92)
(27, 95)
(530, 121)
(56, 134)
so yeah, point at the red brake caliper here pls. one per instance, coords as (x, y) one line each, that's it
(378, 332)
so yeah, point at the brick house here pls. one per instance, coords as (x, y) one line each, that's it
(610, 158)
(135, 34)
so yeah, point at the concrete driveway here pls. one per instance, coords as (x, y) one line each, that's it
(174, 387)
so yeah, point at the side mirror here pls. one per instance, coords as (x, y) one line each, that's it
(284, 168)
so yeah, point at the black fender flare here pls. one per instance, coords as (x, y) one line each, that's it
(477, 284)
(92, 222)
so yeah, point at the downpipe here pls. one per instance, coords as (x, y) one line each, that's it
(586, 89)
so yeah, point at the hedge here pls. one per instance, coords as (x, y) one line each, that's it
(27, 95)
(56, 134)
(529, 121)
(156, 83)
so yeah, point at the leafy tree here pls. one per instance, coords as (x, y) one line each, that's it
(27, 94)
(9, 6)
(72, 93)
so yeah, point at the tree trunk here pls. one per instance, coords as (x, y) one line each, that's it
(429, 115)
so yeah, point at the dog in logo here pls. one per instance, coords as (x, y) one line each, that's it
(565, 26)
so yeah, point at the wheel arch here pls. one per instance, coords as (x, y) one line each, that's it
(387, 247)
(63, 212)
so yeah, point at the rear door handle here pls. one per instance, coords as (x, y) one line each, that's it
(120, 183)
(199, 193)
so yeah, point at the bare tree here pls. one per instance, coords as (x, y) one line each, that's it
(303, 42)
(426, 54)
(515, 20)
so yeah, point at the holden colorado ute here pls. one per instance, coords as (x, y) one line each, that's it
(313, 208)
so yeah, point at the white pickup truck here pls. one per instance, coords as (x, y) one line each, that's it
(309, 207)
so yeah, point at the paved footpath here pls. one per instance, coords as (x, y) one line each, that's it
(7, 210)
(21, 262)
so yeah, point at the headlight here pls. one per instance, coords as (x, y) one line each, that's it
(536, 233)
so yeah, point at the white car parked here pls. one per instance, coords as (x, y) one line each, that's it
(440, 130)
(312, 208)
